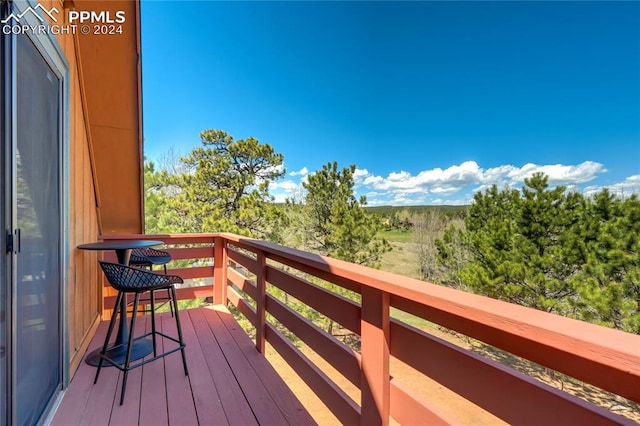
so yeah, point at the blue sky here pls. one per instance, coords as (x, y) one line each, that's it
(431, 101)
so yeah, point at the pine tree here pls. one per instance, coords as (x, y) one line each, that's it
(221, 186)
(340, 227)
(552, 250)
(515, 245)
(608, 282)
(226, 185)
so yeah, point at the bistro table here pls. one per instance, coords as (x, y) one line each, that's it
(141, 347)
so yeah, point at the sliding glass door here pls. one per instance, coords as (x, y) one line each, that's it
(31, 293)
(37, 216)
(5, 211)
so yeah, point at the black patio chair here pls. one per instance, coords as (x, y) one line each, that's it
(127, 279)
(148, 257)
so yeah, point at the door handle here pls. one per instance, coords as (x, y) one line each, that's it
(9, 242)
(13, 242)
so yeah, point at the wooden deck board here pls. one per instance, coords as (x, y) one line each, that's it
(180, 405)
(207, 402)
(129, 413)
(229, 382)
(153, 396)
(256, 394)
(282, 395)
(97, 410)
(235, 405)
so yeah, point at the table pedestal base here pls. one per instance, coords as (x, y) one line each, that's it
(141, 348)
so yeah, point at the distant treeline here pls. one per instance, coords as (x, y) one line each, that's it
(387, 212)
(406, 217)
(450, 211)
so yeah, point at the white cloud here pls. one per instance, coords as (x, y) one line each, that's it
(440, 186)
(436, 180)
(271, 169)
(374, 181)
(558, 174)
(287, 185)
(403, 187)
(275, 169)
(633, 180)
(280, 198)
(302, 172)
(631, 185)
(285, 189)
(444, 190)
(360, 175)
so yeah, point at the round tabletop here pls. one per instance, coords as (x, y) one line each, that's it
(119, 244)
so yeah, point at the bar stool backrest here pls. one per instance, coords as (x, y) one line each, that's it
(147, 256)
(129, 279)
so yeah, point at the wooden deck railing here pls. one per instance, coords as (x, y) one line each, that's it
(595, 355)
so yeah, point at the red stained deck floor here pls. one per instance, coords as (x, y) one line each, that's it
(229, 382)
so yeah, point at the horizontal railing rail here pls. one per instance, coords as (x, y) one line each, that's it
(261, 278)
(182, 247)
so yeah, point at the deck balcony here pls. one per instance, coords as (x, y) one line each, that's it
(394, 325)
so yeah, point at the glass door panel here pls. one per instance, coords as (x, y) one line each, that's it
(5, 96)
(37, 201)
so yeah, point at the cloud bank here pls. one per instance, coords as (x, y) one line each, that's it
(457, 183)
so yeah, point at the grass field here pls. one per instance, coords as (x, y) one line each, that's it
(402, 260)
(396, 235)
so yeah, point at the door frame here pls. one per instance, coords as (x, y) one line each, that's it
(49, 48)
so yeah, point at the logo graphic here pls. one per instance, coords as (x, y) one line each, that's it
(98, 22)
(34, 12)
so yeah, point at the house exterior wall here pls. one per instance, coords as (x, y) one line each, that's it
(83, 289)
(110, 67)
(104, 140)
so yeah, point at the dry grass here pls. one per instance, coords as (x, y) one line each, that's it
(401, 260)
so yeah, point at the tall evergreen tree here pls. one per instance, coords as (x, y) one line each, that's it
(222, 186)
(516, 247)
(339, 225)
(552, 250)
(608, 243)
(227, 184)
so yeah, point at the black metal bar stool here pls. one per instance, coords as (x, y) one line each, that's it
(127, 279)
(147, 257)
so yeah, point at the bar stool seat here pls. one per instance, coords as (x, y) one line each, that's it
(148, 257)
(127, 279)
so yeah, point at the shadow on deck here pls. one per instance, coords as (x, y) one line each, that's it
(229, 382)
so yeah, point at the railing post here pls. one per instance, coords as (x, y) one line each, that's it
(261, 284)
(220, 271)
(374, 376)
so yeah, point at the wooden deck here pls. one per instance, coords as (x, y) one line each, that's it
(229, 382)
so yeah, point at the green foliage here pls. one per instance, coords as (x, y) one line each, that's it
(337, 224)
(228, 184)
(223, 187)
(163, 212)
(395, 221)
(607, 244)
(552, 250)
